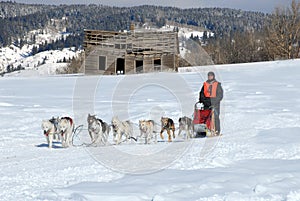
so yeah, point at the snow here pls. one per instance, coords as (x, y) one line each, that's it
(185, 33)
(257, 158)
(45, 62)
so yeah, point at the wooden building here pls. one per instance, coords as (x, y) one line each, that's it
(108, 52)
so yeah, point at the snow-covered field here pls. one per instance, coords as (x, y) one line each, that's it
(257, 158)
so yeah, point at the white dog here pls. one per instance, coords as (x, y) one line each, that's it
(50, 130)
(121, 128)
(147, 130)
(98, 130)
(66, 128)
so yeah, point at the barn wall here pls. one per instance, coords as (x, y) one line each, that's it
(145, 46)
(130, 64)
(148, 64)
(168, 61)
(92, 60)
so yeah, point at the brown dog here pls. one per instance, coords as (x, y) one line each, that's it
(167, 124)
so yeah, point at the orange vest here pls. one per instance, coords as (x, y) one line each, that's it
(210, 89)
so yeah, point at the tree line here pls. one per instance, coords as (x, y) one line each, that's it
(278, 39)
(67, 42)
(80, 17)
(239, 36)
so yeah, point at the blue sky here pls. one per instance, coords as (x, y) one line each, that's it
(252, 5)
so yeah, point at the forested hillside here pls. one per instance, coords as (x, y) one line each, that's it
(18, 19)
(238, 36)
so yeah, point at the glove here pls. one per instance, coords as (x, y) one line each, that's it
(200, 105)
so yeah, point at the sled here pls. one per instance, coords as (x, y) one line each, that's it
(203, 121)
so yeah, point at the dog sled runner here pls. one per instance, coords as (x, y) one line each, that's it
(203, 121)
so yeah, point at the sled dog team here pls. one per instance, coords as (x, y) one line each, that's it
(58, 129)
(62, 129)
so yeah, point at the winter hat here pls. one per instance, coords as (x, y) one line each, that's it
(211, 73)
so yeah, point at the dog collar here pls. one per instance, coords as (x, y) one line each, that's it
(62, 133)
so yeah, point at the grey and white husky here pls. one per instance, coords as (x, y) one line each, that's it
(98, 130)
(185, 124)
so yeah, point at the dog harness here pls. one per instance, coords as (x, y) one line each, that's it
(210, 89)
(47, 133)
(69, 119)
(115, 127)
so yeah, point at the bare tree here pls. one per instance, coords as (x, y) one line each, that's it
(75, 66)
(283, 33)
(239, 47)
